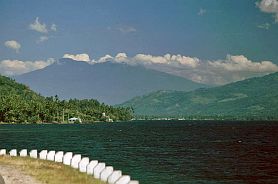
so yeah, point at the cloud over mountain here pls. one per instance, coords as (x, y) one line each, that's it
(78, 57)
(222, 71)
(212, 72)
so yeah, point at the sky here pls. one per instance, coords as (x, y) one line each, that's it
(207, 41)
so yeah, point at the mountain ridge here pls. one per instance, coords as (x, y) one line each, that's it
(106, 82)
(254, 98)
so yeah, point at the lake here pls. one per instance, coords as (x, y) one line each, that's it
(164, 152)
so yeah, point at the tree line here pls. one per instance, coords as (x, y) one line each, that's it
(19, 104)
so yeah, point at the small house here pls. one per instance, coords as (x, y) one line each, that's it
(74, 120)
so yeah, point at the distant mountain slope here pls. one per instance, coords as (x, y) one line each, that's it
(107, 82)
(253, 98)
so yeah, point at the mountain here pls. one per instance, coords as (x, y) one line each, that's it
(107, 82)
(255, 98)
(19, 104)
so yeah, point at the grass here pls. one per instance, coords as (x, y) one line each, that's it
(49, 172)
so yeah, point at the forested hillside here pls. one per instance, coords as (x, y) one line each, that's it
(255, 98)
(19, 104)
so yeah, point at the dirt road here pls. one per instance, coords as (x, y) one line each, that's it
(13, 175)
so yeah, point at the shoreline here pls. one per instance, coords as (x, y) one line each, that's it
(141, 120)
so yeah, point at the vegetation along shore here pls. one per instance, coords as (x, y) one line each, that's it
(19, 104)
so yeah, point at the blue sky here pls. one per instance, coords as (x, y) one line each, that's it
(206, 29)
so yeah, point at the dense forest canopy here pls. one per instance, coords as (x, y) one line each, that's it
(19, 104)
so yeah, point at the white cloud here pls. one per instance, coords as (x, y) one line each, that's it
(216, 72)
(39, 27)
(202, 12)
(168, 59)
(42, 39)
(126, 29)
(78, 57)
(243, 64)
(104, 59)
(121, 57)
(149, 59)
(269, 6)
(53, 27)
(17, 67)
(12, 44)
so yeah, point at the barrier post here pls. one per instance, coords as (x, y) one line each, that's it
(43, 154)
(106, 173)
(23, 153)
(50, 156)
(91, 166)
(67, 158)
(3, 152)
(114, 176)
(98, 169)
(83, 164)
(13, 153)
(75, 161)
(59, 156)
(125, 179)
(33, 154)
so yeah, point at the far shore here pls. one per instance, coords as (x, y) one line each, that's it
(141, 120)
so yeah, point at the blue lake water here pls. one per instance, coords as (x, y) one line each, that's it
(164, 152)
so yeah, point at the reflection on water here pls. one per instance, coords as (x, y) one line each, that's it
(158, 152)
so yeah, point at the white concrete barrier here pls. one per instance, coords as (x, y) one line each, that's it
(114, 177)
(67, 158)
(13, 153)
(23, 153)
(83, 164)
(98, 169)
(33, 154)
(107, 171)
(50, 156)
(75, 161)
(133, 182)
(3, 152)
(125, 179)
(91, 166)
(59, 156)
(43, 154)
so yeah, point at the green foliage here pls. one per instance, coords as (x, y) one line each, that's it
(251, 99)
(19, 104)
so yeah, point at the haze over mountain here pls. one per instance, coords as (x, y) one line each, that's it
(107, 82)
(255, 98)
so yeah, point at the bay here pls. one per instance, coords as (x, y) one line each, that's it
(164, 152)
